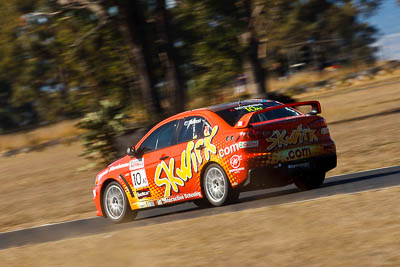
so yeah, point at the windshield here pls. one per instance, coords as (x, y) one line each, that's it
(232, 115)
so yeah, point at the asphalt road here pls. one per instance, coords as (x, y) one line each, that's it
(342, 184)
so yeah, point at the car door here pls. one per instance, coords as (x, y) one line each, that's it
(188, 154)
(153, 150)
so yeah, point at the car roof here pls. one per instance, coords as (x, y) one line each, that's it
(235, 104)
(217, 108)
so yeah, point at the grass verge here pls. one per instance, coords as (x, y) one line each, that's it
(45, 187)
(345, 230)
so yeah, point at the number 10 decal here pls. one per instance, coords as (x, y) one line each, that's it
(139, 178)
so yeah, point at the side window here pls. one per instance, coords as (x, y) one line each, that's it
(193, 128)
(166, 136)
(160, 138)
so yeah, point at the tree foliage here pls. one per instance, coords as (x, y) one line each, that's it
(101, 128)
(61, 58)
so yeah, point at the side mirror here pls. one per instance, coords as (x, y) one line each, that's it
(131, 151)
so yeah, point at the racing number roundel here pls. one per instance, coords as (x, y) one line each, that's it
(139, 178)
(138, 173)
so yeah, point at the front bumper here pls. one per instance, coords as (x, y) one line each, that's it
(282, 174)
(96, 200)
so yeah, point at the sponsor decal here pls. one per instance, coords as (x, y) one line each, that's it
(142, 205)
(159, 202)
(298, 136)
(136, 164)
(251, 107)
(228, 150)
(150, 204)
(236, 170)
(248, 144)
(181, 197)
(139, 178)
(299, 165)
(235, 161)
(143, 193)
(325, 130)
(191, 158)
(299, 153)
(119, 166)
(192, 122)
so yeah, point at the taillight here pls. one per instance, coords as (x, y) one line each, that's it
(249, 134)
(319, 123)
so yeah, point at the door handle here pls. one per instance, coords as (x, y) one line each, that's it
(164, 157)
(200, 147)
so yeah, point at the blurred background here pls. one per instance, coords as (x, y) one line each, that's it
(81, 80)
(154, 58)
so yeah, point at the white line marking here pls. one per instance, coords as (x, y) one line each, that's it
(357, 172)
(305, 200)
(47, 224)
(340, 194)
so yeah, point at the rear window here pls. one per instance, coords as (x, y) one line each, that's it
(232, 115)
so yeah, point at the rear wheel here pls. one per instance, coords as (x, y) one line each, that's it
(309, 181)
(116, 204)
(216, 186)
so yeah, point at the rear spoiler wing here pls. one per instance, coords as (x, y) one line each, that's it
(245, 119)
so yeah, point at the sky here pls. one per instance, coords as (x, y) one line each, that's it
(387, 20)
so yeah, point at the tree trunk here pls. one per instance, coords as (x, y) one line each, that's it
(175, 85)
(259, 73)
(133, 26)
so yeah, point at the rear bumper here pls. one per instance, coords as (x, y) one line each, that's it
(282, 174)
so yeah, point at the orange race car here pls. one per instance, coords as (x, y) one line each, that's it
(209, 155)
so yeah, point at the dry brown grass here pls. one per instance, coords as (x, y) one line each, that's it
(344, 230)
(44, 187)
(60, 130)
(302, 78)
(369, 139)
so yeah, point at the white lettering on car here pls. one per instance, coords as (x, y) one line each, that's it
(228, 150)
(119, 166)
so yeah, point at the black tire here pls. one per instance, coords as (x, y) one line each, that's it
(234, 196)
(216, 187)
(115, 204)
(201, 203)
(309, 181)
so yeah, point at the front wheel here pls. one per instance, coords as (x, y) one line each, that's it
(116, 204)
(216, 186)
(309, 181)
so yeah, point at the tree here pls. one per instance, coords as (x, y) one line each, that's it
(138, 35)
(101, 128)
